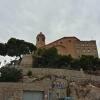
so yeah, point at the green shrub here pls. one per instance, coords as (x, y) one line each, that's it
(10, 74)
(29, 73)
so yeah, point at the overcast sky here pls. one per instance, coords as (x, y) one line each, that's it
(23, 19)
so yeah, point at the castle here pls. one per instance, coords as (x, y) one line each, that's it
(50, 83)
(65, 46)
(69, 46)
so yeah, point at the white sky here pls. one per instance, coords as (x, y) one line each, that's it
(23, 19)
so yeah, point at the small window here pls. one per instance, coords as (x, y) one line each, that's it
(95, 51)
(43, 39)
(78, 51)
(60, 42)
(38, 39)
(83, 44)
(88, 50)
(84, 51)
(70, 41)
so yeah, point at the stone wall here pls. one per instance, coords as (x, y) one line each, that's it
(27, 61)
(14, 91)
(61, 72)
(48, 80)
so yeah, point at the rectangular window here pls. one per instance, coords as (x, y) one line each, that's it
(33, 95)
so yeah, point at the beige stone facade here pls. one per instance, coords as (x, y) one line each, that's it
(40, 40)
(74, 47)
(70, 46)
(27, 61)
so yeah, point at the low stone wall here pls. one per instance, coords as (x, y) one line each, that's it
(75, 75)
(14, 91)
(51, 71)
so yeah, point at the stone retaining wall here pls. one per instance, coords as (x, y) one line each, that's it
(14, 91)
(61, 72)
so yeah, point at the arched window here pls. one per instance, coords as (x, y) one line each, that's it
(38, 39)
(43, 39)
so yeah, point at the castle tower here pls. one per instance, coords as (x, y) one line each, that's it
(40, 40)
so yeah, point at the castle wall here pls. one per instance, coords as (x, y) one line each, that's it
(87, 48)
(74, 47)
(65, 46)
(27, 61)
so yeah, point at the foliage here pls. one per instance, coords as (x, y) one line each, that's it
(75, 64)
(3, 49)
(63, 61)
(16, 47)
(10, 74)
(86, 63)
(45, 57)
(89, 63)
(50, 58)
(29, 73)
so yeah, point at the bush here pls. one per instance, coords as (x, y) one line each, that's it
(10, 74)
(29, 73)
(50, 58)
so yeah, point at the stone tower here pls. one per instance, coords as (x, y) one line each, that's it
(40, 40)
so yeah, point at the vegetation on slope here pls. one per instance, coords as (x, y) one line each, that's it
(50, 58)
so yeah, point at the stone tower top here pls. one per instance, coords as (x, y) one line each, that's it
(40, 35)
(40, 40)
